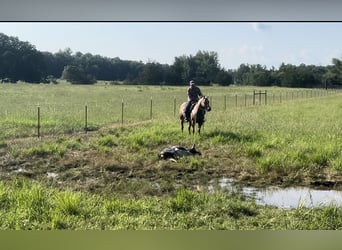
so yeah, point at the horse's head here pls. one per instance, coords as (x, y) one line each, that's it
(205, 103)
(194, 151)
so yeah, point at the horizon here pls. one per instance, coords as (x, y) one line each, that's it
(269, 43)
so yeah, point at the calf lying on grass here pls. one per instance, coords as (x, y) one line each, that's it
(176, 152)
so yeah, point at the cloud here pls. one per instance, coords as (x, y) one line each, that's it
(246, 53)
(260, 26)
(250, 50)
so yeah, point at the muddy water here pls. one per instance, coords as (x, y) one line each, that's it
(285, 197)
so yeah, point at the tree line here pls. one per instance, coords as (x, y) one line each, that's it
(21, 61)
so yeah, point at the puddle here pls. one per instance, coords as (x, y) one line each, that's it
(294, 197)
(284, 197)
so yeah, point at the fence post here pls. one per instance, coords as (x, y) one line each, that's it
(38, 122)
(86, 118)
(122, 111)
(265, 97)
(225, 102)
(236, 100)
(174, 106)
(253, 97)
(151, 109)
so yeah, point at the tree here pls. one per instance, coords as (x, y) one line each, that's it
(76, 75)
(224, 78)
(62, 59)
(203, 68)
(333, 74)
(182, 68)
(176, 72)
(152, 73)
(241, 75)
(259, 76)
(206, 66)
(20, 60)
(297, 76)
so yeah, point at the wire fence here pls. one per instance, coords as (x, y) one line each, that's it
(53, 118)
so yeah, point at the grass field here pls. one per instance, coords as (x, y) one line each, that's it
(111, 178)
(63, 106)
(27, 206)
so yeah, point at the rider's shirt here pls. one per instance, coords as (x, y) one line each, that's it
(193, 93)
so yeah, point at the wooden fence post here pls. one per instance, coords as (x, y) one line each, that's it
(86, 118)
(122, 111)
(265, 97)
(151, 109)
(225, 102)
(38, 122)
(253, 97)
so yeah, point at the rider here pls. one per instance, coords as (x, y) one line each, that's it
(194, 93)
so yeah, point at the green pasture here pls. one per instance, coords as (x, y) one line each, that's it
(298, 132)
(302, 132)
(66, 108)
(107, 177)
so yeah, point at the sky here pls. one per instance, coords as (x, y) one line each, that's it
(268, 44)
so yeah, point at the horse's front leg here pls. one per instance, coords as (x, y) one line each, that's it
(189, 128)
(182, 124)
(193, 126)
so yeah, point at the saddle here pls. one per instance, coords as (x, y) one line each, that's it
(187, 115)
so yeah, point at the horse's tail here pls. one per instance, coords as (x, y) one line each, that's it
(182, 110)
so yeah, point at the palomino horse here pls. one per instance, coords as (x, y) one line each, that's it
(197, 114)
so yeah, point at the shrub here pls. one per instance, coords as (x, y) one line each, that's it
(76, 75)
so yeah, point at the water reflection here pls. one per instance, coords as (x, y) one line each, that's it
(285, 197)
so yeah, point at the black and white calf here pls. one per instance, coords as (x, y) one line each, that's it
(176, 152)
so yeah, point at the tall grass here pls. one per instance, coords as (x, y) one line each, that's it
(297, 136)
(26, 205)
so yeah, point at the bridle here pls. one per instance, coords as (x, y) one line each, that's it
(206, 104)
